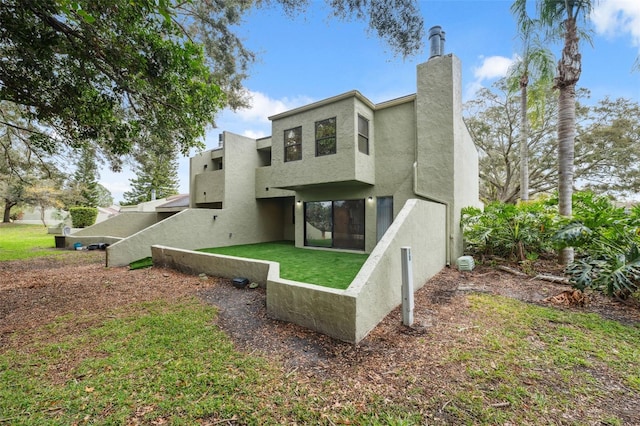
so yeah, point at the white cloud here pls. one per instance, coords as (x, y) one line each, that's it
(254, 134)
(492, 67)
(262, 106)
(618, 17)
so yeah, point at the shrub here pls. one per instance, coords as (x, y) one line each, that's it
(510, 231)
(82, 217)
(606, 238)
(607, 245)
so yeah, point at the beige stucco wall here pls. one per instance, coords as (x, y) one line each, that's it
(446, 158)
(351, 314)
(121, 226)
(217, 265)
(242, 220)
(209, 187)
(419, 225)
(394, 160)
(205, 179)
(339, 167)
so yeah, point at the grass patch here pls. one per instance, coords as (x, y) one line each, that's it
(326, 268)
(526, 363)
(166, 364)
(147, 262)
(18, 241)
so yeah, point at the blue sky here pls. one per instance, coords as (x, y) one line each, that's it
(313, 57)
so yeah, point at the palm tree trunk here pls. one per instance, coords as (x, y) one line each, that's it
(524, 136)
(566, 138)
(569, 69)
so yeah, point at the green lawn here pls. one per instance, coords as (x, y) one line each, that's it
(24, 241)
(165, 362)
(326, 268)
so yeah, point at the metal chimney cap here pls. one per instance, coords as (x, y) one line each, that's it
(436, 41)
(437, 29)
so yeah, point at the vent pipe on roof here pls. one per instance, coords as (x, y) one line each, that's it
(436, 41)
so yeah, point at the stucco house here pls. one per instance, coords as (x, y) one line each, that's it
(342, 173)
(349, 159)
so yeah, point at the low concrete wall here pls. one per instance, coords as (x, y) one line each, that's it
(192, 262)
(326, 310)
(122, 225)
(420, 225)
(350, 314)
(319, 308)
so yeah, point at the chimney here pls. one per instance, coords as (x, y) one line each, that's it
(436, 41)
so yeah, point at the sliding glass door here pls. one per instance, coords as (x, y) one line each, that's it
(336, 224)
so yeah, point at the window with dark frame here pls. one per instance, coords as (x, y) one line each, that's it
(293, 144)
(326, 137)
(363, 135)
(335, 224)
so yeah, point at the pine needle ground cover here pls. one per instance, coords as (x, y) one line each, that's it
(326, 268)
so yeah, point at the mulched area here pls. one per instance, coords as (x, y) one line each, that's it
(35, 292)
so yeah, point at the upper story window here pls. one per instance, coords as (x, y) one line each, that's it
(293, 144)
(326, 137)
(363, 135)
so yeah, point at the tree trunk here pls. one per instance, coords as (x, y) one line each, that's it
(566, 138)
(7, 211)
(569, 69)
(44, 222)
(524, 137)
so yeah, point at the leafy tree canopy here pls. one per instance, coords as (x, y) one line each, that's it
(20, 167)
(112, 73)
(607, 151)
(106, 72)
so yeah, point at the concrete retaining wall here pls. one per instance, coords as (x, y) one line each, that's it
(350, 314)
(193, 262)
(70, 240)
(420, 225)
(122, 225)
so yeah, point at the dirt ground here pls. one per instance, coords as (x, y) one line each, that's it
(35, 292)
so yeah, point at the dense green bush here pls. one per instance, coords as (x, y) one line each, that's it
(606, 238)
(607, 245)
(81, 217)
(510, 231)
